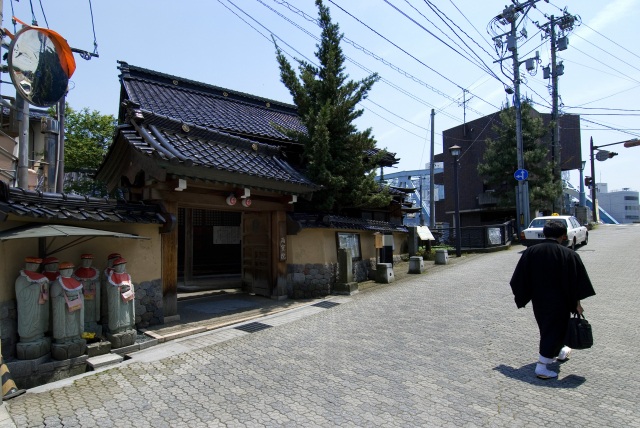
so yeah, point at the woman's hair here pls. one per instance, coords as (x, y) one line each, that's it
(554, 229)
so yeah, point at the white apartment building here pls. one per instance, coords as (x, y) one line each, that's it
(623, 204)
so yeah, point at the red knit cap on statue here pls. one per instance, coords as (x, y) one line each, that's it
(119, 261)
(113, 256)
(86, 256)
(66, 265)
(33, 260)
(50, 260)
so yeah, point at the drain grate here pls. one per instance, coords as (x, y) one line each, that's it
(325, 304)
(252, 327)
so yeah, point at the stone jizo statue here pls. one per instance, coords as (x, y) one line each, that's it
(32, 296)
(120, 305)
(104, 315)
(67, 304)
(90, 279)
(51, 268)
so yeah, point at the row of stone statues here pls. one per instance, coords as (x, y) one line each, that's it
(62, 304)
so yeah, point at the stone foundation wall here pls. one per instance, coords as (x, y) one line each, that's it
(310, 280)
(305, 281)
(9, 328)
(149, 309)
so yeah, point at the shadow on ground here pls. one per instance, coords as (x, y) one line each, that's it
(526, 374)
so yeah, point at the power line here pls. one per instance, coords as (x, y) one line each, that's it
(403, 50)
(363, 49)
(608, 66)
(441, 14)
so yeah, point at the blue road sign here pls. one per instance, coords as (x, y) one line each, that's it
(521, 174)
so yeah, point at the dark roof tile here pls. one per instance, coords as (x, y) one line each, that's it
(208, 106)
(56, 206)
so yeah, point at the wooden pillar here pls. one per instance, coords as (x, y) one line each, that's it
(188, 246)
(170, 268)
(279, 254)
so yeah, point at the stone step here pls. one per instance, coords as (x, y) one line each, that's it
(104, 360)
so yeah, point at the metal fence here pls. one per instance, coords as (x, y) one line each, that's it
(486, 236)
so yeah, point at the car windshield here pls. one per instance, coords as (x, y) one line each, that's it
(540, 222)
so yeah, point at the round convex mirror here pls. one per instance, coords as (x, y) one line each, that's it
(36, 67)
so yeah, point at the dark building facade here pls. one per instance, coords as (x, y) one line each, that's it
(478, 203)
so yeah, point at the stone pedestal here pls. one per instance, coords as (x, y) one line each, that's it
(416, 264)
(384, 273)
(122, 339)
(34, 349)
(442, 257)
(347, 288)
(70, 349)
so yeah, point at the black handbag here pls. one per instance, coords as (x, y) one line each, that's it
(579, 334)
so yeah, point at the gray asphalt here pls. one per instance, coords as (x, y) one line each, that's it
(444, 349)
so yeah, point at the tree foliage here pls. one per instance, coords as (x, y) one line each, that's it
(334, 150)
(88, 134)
(500, 160)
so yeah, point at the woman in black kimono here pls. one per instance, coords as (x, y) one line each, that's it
(554, 279)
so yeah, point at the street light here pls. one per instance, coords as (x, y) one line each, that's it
(455, 152)
(583, 197)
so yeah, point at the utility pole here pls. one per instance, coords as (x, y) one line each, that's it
(432, 201)
(558, 43)
(555, 135)
(510, 15)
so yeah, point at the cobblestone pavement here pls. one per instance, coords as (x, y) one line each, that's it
(446, 348)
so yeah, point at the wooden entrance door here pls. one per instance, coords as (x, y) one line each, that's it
(256, 252)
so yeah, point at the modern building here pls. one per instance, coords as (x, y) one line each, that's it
(478, 203)
(623, 205)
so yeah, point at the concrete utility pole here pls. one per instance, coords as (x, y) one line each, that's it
(566, 24)
(432, 200)
(555, 135)
(510, 16)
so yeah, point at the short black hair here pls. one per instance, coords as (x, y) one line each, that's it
(554, 229)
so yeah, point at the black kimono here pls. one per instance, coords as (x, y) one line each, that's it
(554, 279)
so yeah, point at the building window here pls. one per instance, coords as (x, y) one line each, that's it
(350, 241)
(630, 198)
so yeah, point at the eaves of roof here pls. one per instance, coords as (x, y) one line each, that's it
(200, 153)
(61, 206)
(314, 221)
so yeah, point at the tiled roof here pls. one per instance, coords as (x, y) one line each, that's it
(191, 146)
(208, 106)
(60, 206)
(305, 221)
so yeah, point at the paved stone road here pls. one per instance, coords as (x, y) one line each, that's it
(447, 348)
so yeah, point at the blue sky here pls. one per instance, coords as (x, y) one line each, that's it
(207, 41)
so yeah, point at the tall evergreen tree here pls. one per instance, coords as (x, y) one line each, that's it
(500, 160)
(334, 150)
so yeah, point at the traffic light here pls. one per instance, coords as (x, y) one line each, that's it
(588, 181)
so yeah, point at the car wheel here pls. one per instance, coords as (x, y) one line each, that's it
(586, 239)
(573, 244)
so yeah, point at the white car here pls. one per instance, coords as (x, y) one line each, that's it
(577, 234)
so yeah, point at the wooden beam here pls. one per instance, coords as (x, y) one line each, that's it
(170, 267)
